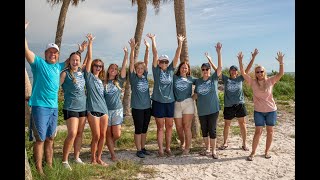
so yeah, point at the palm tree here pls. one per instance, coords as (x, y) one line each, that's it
(27, 85)
(179, 12)
(62, 16)
(141, 18)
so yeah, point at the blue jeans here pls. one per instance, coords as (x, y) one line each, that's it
(265, 118)
(43, 123)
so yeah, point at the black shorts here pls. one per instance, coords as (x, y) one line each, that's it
(69, 114)
(96, 114)
(236, 110)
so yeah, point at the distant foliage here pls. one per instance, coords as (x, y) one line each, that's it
(196, 71)
(60, 113)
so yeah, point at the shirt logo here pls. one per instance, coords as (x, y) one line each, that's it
(204, 88)
(142, 85)
(165, 77)
(182, 83)
(111, 88)
(99, 85)
(233, 86)
(80, 82)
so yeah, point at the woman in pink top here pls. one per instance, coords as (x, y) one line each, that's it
(265, 109)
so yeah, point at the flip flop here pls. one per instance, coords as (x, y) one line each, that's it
(215, 156)
(223, 147)
(250, 158)
(245, 148)
(267, 156)
(205, 153)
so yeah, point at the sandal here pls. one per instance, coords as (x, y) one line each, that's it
(215, 156)
(267, 156)
(223, 147)
(250, 158)
(244, 148)
(160, 154)
(168, 152)
(205, 153)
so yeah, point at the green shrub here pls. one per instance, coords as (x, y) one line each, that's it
(61, 121)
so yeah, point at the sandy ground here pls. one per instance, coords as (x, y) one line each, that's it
(232, 163)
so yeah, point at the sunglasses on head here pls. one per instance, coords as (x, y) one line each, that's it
(163, 62)
(259, 72)
(96, 65)
(205, 69)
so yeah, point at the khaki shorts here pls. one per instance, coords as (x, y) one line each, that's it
(184, 107)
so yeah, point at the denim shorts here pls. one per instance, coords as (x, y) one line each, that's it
(115, 117)
(43, 123)
(265, 118)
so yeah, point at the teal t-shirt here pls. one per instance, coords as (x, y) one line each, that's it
(45, 86)
(163, 84)
(182, 87)
(208, 99)
(140, 96)
(95, 94)
(233, 93)
(74, 93)
(112, 94)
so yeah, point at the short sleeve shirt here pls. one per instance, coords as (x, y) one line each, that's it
(140, 96)
(233, 92)
(182, 87)
(163, 84)
(113, 94)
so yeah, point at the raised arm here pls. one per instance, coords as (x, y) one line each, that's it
(89, 52)
(124, 62)
(154, 49)
(210, 61)
(178, 51)
(132, 46)
(281, 71)
(146, 54)
(28, 53)
(80, 50)
(244, 74)
(253, 56)
(218, 49)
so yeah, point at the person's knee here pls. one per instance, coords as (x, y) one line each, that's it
(258, 132)
(95, 137)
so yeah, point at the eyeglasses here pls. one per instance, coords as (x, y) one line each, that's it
(97, 66)
(205, 69)
(259, 72)
(165, 62)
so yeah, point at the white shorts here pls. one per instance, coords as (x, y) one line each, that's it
(184, 107)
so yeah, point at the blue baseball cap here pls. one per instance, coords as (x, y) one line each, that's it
(233, 67)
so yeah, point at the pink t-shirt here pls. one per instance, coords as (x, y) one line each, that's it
(263, 100)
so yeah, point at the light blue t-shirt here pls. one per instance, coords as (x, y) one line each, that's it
(74, 93)
(163, 84)
(140, 96)
(182, 87)
(233, 93)
(208, 99)
(95, 94)
(45, 86)
(112, 94)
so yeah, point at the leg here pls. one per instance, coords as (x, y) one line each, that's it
(94, 123)
(116, 133)
(204, 131)
(160, 129)
(186, 123)
(179, 128)
(103, 131)
(226, 128)
(212, 123)
(269, 139)
(243, 130)
(168, 136)
(38, 155)
(48, 150)
(72, 126)
(146, 121)
(256, 138)
(78, 141)
(138, 125)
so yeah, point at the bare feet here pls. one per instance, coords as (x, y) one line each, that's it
(186, 152)
(114, 158)
(160, 153)
(102, 163)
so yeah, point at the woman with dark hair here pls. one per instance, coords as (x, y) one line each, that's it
(184, 105)
(265, 109)
(113, 89)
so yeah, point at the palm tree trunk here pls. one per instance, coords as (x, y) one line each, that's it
(61, 21)
(141, 18)
(179, 12)
(27, 85)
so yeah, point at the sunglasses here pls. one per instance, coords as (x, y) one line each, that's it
(165, 62)
(259, 72)
(97, 66)
(205, 69)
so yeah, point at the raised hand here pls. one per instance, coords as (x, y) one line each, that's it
(151, 36)
(90, 37)
(208, 57)
(240, 57)
(146, 43)
(218, 47)
(83, 46)
(132, 43)
(254, 53)
(125, 49)
(181, 38)
(280, 57)
(26, 25)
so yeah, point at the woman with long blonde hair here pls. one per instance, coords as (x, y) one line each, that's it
(265, 109)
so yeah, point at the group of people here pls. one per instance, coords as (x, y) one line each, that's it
(93, 93)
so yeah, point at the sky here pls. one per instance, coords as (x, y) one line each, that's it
(240, 25)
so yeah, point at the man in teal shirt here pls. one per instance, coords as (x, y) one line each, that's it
(44, 101)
